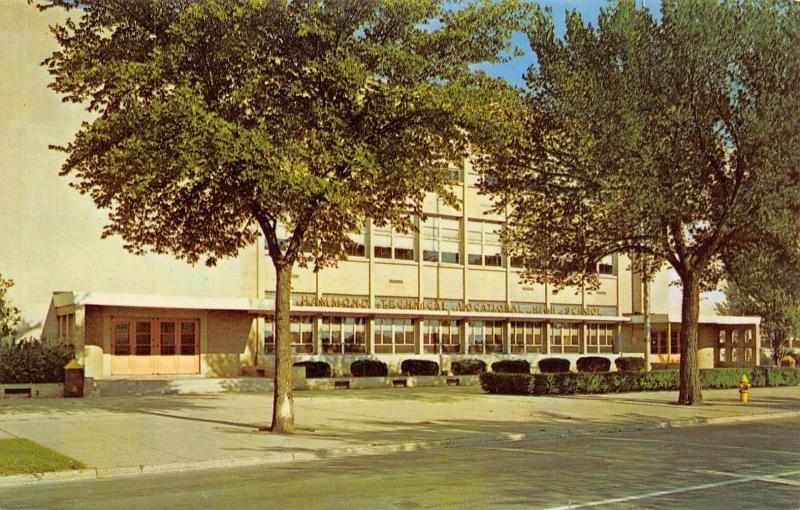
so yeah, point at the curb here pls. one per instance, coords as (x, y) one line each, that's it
(374, 449)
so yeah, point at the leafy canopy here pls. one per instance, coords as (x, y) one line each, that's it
(216, 119)
(674, 138)
(9, 314)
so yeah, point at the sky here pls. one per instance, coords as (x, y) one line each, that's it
(514, 70)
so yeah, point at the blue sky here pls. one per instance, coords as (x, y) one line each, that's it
(589, 9)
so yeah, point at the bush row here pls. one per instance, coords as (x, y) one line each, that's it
(32, 360)
(376, 368)
(618, 382)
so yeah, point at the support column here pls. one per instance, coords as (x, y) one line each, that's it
(618, 339)
(757, 345)
(79, 333)
(546, 338)
(584, 349)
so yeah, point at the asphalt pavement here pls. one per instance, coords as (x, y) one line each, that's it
(743, 466)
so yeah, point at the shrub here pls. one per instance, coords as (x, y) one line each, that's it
(619, 382)
(315, 369)
(368, 368)
(33, 360)
(593, 364)
(630, 364)
(419, 367)
(468, 367)
(553, 365)
(512, 366)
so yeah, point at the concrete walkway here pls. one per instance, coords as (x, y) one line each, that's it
(130, 435)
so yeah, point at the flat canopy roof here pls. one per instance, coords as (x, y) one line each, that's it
(723, 320)
(266, 307)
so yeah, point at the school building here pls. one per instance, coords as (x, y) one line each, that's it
(446, 292)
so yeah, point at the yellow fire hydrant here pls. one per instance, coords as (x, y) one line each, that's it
(744, 388)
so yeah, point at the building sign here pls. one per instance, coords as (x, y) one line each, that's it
(453, 305)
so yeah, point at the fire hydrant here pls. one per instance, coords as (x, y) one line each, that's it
(744, 388)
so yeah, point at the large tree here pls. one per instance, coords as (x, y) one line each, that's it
(766, 283)
(214, 122)
(674, 136)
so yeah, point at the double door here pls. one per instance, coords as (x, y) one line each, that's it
(155, 346)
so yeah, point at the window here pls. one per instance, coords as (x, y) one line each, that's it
(441, 238)
(389, 243)
(394, 336)
(516, 261)
(675, 342)
(600, 337)
(301, 332)
(66, 328)
(484, 247)
(455, 174)
(357, 245)
(442, 337)
(564, 337)
(526, 336)
(606, 265)
(343, 335)
(658, 342)
(485, 337)
(146, 337)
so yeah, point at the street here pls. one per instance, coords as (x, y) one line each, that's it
(755, 465)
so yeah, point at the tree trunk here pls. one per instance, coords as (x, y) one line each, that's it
(648, 364)
(283, 402)
(690, 314)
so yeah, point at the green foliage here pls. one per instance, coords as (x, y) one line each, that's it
(216, 122)
(419, 367)
(32, 360)
(9, 314)
(315, 369)
(620, 382)
(512, 366)
(553, 365)
(369, 368)
(468, 367)
(630, 364)
(671, 136)
(773, 293)
(593, 364)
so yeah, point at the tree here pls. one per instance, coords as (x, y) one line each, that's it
(767, 284)
(219, 121)
(674, 137)
(9, 314)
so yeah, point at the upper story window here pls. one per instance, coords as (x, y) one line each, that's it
(441, 240)
(456, 175)
(358, 244)
(606, 265)
(484, 247)
(391, 244)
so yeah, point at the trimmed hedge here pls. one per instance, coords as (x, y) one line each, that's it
(419, 367)
(619, 382)
(593, 364)
(512, 366)
(33, 360)
(369, 368)
(315, 369)
(553, 365)
(468, 367)
(630, 364)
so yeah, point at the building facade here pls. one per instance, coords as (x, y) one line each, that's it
(445, 292)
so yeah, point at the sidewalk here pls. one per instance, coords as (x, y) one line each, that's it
(131, 435)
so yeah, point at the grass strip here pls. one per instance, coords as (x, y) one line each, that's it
(22, 456)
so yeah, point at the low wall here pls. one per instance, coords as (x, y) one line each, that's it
(37, 390)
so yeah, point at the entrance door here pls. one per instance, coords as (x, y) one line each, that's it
(155, 346)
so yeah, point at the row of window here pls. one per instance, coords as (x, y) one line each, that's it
(155, 337)
(441, 242)
(347, 335)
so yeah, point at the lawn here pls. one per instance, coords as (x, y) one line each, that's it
(21, 456)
